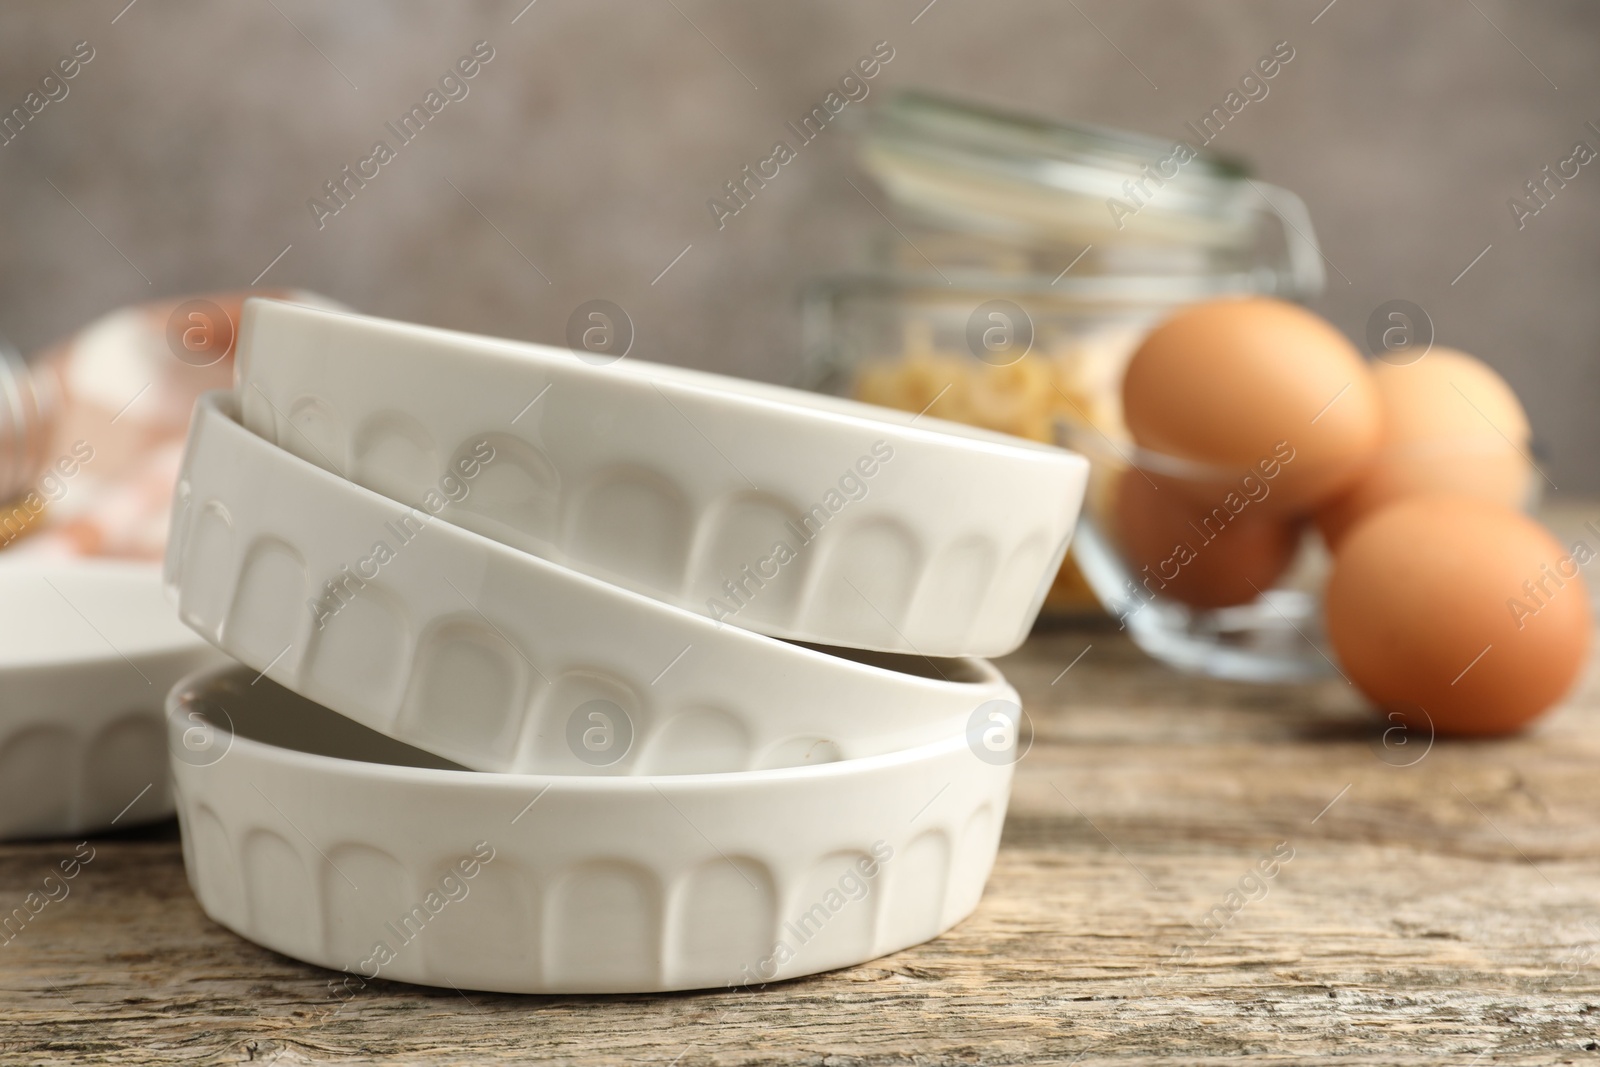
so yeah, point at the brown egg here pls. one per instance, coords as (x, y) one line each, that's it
(1205, 556)
(1450, 425)
(1233, 383)
(1457, 614)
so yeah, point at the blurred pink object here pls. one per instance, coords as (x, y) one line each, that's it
(124, 387)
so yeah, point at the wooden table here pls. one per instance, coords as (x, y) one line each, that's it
(1442, 905)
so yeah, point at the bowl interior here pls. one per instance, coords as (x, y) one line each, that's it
(960, 671)
(238, 701)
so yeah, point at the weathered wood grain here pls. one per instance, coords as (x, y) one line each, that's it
(1443, 912)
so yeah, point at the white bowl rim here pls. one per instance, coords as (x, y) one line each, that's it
(771, 398)
(507, 781)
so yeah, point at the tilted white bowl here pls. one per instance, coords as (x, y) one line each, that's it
(88, 651)
(398, 867)
(797, 515)
(503, 661)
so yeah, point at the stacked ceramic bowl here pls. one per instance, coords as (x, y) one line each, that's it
(562, 677)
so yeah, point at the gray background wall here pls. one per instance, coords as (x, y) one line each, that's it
(593, 139)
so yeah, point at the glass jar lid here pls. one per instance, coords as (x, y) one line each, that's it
(1009, 179)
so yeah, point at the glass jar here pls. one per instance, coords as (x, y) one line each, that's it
(27, 408)
(1020, 264)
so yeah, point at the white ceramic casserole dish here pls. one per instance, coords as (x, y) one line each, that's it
(325, 841)
(88, 651)
(503, 661)
(797, 515)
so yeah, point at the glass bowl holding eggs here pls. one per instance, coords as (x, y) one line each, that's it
(1135, 300)
(1257, 439)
